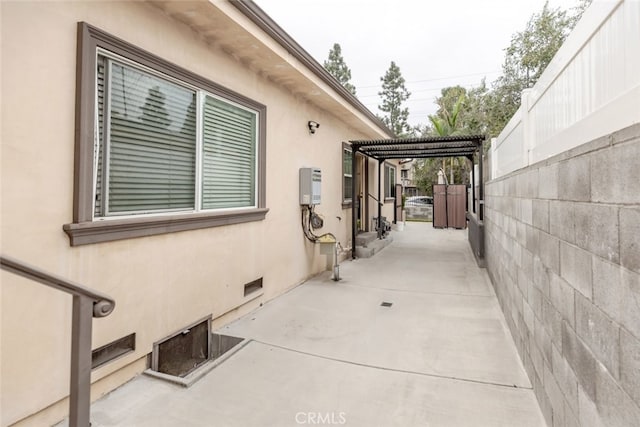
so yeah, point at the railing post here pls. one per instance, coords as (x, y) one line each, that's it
(481, 182)
(80, 385)
(87, 304)
(355, 203)
(474, 178)
(380, 231)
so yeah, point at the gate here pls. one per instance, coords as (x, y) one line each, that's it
(449, 206)
(440, 206)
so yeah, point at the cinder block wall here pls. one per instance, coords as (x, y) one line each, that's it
(563, 252)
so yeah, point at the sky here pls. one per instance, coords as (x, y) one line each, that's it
(436, 44)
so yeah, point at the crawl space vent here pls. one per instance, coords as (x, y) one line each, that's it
(252, 287)
(105, 354)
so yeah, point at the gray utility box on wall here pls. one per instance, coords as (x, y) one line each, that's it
(310, 183)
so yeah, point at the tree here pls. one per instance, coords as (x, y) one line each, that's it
(475, 119)
(154, 110)
(425, 172)
(393, 94)
(445, 121)
(487, 111)
(577, 12)
(336, 66)
(459, 112)
(526, 58)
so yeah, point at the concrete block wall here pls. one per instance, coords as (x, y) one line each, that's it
(562, 247)
(424, 213)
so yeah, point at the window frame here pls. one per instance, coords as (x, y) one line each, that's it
(85, 229)
(387, 181)
(110, 59)
(346, 198)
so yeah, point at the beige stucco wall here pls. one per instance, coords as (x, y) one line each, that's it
(160, 283)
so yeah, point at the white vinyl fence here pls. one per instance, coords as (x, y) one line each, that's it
(590, 89)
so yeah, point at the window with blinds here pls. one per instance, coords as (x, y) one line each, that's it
(347, 175)
(390, 181)
(229, 155)
(151, 157)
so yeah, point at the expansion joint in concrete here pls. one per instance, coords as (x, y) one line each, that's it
(382, 368)
(409, 291)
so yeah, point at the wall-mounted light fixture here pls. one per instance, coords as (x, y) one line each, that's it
(313, 126)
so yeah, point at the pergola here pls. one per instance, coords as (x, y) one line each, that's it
(469, 146)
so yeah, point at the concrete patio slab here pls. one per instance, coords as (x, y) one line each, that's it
(328, 353)
(455, 336)
(268, 386)
(445, 319)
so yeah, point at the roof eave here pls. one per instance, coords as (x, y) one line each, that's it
(259, 17)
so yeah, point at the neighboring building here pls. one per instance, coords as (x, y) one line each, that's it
(117, 173)
(408, 178)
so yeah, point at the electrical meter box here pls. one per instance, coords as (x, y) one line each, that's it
(310, 180)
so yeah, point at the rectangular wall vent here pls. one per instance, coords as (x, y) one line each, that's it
(252, 287)
(113, 350)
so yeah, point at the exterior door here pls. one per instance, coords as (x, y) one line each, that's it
(397, 213)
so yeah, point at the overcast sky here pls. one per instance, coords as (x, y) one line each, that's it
(435, 43)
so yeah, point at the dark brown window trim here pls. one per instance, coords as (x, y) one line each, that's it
(86, 233)
(83, 230)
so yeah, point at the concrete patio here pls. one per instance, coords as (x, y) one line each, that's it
(328, 353)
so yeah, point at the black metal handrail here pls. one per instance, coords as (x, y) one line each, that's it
(378, 201)
(87, 303)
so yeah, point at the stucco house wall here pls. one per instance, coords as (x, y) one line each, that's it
(165, 281)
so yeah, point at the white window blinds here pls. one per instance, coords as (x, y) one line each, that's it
(147, 146)
(347, 175)
(229, 156)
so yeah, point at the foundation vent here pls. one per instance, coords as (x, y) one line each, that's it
(220, 344)
(252, 287)
(105, 354)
